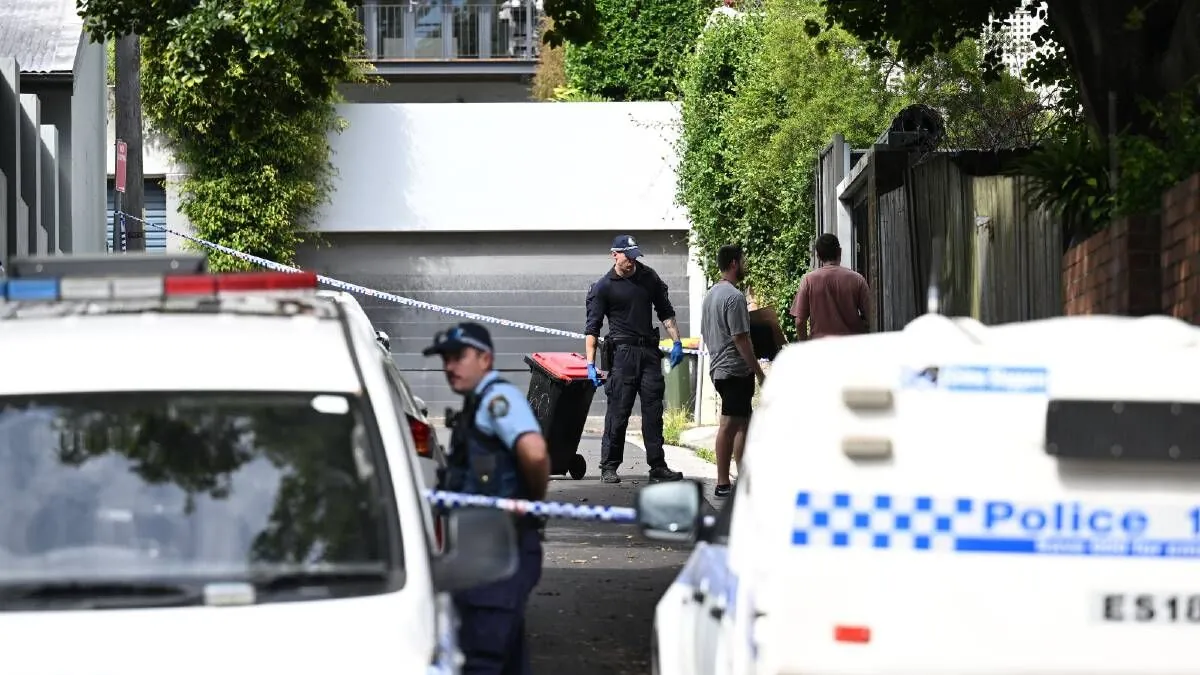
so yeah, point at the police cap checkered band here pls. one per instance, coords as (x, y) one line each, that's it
(466, 334)
(627, 245)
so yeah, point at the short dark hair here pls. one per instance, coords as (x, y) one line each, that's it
(727, 255)
(828, 248)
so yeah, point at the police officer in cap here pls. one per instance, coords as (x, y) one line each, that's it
(629, 296)
(496, 449)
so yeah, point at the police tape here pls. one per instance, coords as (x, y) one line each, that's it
(370, 292)
(608, 514)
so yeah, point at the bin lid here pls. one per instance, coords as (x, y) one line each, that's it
(688, 343)
(563, 365)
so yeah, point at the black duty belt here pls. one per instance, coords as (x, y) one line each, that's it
(633, 342)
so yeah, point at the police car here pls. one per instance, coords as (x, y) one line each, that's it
(952, 498)
(172, 452)
(431, 454)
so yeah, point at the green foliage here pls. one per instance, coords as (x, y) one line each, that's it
(1051, 69)
(982, 111)
(675, 422)
(110, 62)
(571, 94)
(1069, 177)
(1151, 163)
(244, 92)
(575, 22)
(762, 96)
(914, 30)
(1071, 174)
(639, 53)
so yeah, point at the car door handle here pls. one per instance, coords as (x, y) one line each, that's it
(717, 612)
(698, 595)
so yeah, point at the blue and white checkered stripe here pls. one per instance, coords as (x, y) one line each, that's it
(961, 524)
(370, 292)
(879, 521)
(608, 514)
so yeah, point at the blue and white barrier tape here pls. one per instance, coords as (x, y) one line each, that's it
(608, 514)
(370, 292)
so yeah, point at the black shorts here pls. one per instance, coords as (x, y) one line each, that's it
(737, 395)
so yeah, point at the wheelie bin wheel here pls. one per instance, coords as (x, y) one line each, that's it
(578, 467)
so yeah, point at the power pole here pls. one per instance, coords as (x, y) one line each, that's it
(128, 100)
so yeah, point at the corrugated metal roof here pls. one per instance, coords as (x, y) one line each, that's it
(43, 35)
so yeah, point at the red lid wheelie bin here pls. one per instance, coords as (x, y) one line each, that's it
(560, 394)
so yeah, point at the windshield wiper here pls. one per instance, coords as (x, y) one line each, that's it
(101, 594)
(300, 579)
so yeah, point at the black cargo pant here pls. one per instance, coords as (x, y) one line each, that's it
(635, 371)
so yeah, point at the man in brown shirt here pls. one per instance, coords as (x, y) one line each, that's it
(832, 297)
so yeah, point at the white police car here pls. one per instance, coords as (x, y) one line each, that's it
(431, 455)
(172, 452)
(953, 498)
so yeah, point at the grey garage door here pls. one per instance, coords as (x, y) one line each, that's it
(155, 197)
(533, 277)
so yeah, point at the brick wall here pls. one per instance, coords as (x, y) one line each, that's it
(1181, 251)
(1116, 271)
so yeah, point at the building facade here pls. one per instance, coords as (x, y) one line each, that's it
(452, 188)
(501, 209)
(51, 131)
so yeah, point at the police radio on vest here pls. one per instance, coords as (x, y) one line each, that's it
(1065, 518)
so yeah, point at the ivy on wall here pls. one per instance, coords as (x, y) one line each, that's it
(244, 92)
(762, 97)
(640, 49)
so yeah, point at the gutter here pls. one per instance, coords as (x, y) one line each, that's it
(56, 77)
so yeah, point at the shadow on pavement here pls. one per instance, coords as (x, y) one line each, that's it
(593, 611)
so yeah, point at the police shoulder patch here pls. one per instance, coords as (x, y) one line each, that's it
(498, 406)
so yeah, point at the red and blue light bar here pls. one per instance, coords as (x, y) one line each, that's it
(152, 287)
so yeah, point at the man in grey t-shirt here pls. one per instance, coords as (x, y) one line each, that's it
(725, 327)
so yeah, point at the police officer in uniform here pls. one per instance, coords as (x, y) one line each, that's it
(496, 449)
(627, 296)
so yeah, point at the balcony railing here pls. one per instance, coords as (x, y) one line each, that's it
(451, 30)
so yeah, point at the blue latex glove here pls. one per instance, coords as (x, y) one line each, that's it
(594, 376)
(676, 353)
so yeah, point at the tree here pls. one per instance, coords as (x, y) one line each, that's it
(243, 90)
(761, 97)
(639, 53)
(128, 113)
(981, 112)
(551, 75)
(1120, 52)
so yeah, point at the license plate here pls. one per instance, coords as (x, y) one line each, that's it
(1150, 608)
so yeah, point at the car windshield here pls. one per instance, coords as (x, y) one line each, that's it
(210, 485)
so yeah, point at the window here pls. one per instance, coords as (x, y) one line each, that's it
(189, 485)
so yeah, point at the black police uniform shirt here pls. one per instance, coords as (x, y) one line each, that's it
(627, 301)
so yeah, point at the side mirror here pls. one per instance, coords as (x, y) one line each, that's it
(670, 511)
(481, 547)
(421, 406)
(383, 339)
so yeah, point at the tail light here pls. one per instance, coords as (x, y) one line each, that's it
(437, 532)
(852, 634)
(421, 433)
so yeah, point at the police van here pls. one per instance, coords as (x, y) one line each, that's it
(951, 499)
(213, 459)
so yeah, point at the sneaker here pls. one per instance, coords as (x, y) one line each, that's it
(661, 474)
(609, 476)
(723, 490)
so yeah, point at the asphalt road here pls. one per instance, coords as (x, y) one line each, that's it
(593, 610)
